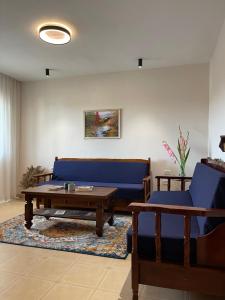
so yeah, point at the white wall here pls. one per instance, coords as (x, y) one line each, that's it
(217, 97)
(153, 102)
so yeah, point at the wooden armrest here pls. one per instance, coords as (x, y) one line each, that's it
(177, 209)
(147, 178)
(43, 175)
(174, 177)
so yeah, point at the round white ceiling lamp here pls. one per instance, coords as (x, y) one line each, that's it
(55, 34)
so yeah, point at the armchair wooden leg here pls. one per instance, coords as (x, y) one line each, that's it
(134, 279)
(135, 290)
(37, 203)
(134, 256)
(135, 295)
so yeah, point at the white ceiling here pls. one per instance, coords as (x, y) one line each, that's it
(108, 35)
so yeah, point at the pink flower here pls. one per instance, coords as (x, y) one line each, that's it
(182, 150)
(170, 151)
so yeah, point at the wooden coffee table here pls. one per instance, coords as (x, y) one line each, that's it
(99, 199)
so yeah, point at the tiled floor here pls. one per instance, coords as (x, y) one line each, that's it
(32, 273)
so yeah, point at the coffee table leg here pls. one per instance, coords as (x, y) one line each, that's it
(47, 203)
(28, 211)
(99, 219)
(111, 220)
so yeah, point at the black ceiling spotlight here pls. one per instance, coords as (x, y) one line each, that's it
(47, 72)
(140, 61)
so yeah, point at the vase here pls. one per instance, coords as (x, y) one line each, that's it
(182, 171)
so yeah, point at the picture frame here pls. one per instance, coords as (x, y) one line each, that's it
(102, 124)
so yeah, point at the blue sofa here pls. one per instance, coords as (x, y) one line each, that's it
(204, 203)
(130, 176)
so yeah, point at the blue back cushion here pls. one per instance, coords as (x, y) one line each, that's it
(100, 171)
(206, 191)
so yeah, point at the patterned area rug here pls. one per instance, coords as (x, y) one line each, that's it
(68, 235)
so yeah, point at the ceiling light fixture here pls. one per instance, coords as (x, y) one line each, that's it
(140, 60)
(54, 34)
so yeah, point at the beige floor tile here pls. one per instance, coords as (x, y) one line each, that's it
(10, 248)
(7, 280)
(93, 259)
(33, 252)
(36, 252)
(51, 268)
(114, 280)
(85, 275)
(104, 261)
(197, 296)
(64, 254)
(171, 294)
(27, 289)
(126, 291)
(7, 253)
(12, 206)
(21, 264)
(150, 291)
(68, 292)
(120, 263)
(102, 295)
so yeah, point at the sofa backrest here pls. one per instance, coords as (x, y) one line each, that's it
(207, 190)
(102, 170)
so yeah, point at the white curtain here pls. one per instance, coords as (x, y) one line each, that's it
(10, 91)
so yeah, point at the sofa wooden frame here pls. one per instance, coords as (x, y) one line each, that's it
(206, 276)
(121, 204)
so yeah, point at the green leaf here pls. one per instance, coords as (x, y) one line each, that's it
(178, 147)
(186, 156)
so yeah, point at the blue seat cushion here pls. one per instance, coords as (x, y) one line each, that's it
(100, 171)
(125, 191)
(171, 198)
(172, 231)
(207, 190)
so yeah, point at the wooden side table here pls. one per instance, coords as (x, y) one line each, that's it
(182, 180)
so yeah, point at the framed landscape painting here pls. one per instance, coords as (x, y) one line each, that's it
(102, 123)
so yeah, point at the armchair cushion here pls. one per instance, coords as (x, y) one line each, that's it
(171, 198)
(207, 190)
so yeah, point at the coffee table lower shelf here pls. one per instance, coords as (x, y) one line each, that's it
(71, 214)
